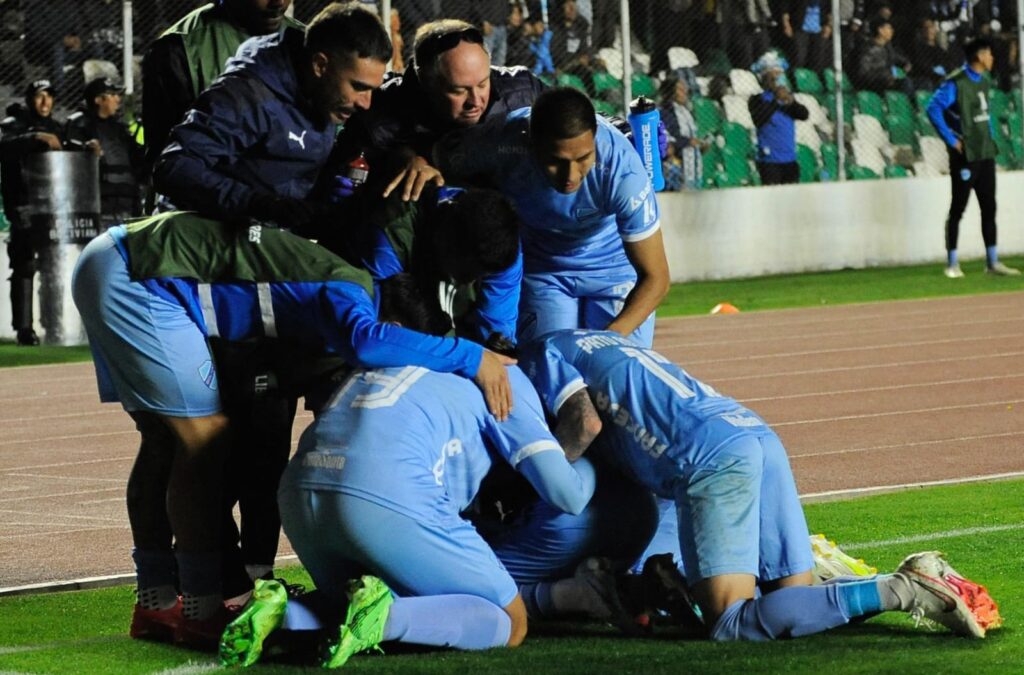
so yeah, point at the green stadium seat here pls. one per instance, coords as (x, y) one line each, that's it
(644, 85)
(901, 129)
(870, 103)
(923, 125)
(707, 115)
(861, 173)
(737, 138)
(547, 79)
(605, 84)
(605, 108)
(1017, 146)
(999, 104)
(808, 163)
(808, 82)
(830, 81)
(922, 97)
(830, 106)
(895, 172)
(829, 161)
(1013, 124)
(736, 165)
(897, 103)
(570, 80)
(715, 63)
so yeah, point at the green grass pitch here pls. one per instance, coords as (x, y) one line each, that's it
(980, 527)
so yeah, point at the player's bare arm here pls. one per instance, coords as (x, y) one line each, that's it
(648, 258)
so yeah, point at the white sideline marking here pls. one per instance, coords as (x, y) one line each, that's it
(46, 396)
(891, 387)
(948, 534)
(891, 413)
(77, 479)
(90, 413)
(893, 446)
(59, 494)
(874, 489)
(79, 462)
(55, 532)
(4, 651)
(189, 668)
(62, 515)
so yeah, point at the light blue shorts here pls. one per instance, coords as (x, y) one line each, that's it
(339, 537)
(149, 354)
(551, 302)
(740, 514)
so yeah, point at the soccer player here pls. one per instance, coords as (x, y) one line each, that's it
(593, 253)
(151, 293)
(462, 246)
(740, 523)
(376, 488)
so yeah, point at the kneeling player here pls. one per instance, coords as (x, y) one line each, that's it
(739, 518)
(150, 293)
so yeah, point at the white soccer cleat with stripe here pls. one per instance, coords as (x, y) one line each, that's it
(943, 595)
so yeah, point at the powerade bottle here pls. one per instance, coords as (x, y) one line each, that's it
(643, 120)
(358, 170)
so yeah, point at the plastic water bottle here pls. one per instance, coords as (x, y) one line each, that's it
(644, 119)
(358, 170)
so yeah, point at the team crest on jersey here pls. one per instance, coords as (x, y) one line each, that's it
(208, 374)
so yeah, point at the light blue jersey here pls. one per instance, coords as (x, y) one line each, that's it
(581, 231)
(420, 443)
(657, 417)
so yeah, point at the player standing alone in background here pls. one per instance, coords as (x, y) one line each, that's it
(959, 111)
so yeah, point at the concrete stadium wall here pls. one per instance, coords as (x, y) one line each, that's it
(743, 232)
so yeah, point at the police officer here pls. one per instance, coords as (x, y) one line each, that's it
(27, 130)
(99, 127)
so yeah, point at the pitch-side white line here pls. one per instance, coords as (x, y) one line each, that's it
(49, 439)
(891, 413)
(59, 464)
(948, 534)
(60, 494)
(875, 489)
(27, 535)
(909, 444)
(190, 668)
(88, 413)
(891, 387)
(77, 479)
(63, 515)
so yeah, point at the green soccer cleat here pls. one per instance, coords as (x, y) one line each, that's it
(830, 562)
(368, 607)
(242, 641)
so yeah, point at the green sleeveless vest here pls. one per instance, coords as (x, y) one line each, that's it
(184, 245)
(972, 99)
(209, 42)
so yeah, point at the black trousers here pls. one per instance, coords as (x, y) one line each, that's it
(965, 176)
(778, 174)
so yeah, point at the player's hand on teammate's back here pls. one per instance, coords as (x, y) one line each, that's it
(492, 378)
(414, 177)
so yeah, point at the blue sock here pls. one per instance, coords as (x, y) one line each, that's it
(860, 597)
(459, 621)
(991, 257)
(785, 613)
(951, 258)
(299, 617)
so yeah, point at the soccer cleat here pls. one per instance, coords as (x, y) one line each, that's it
(27, 337)
(155, 624)
(205, 634)
(953, 272)
(942, 595)
(1000, 270)
(667, 593)
(368, 607)
(597, 575)
(830, 562)
(242, 641)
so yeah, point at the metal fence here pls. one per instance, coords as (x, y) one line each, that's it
(864, 86)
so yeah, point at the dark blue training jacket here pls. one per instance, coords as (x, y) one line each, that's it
(251, 132)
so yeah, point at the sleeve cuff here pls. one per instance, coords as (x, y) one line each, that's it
(566, 392)
(640, 236)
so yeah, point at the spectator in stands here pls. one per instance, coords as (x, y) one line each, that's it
(414, 14)
(931, 63)
(775, 112)
(518, 38)
(570, 36)
(27, 130)
(684, 140)
(960, 114)
(808, 23)
(756, 17)
(540, 47)
(53, 36)
(879, 64)
(98, 126)
(450, 84)
(192, 53)
(492, 18)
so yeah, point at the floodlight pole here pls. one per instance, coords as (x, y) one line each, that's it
(127, 62)
(837, 70)
(627, 56)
